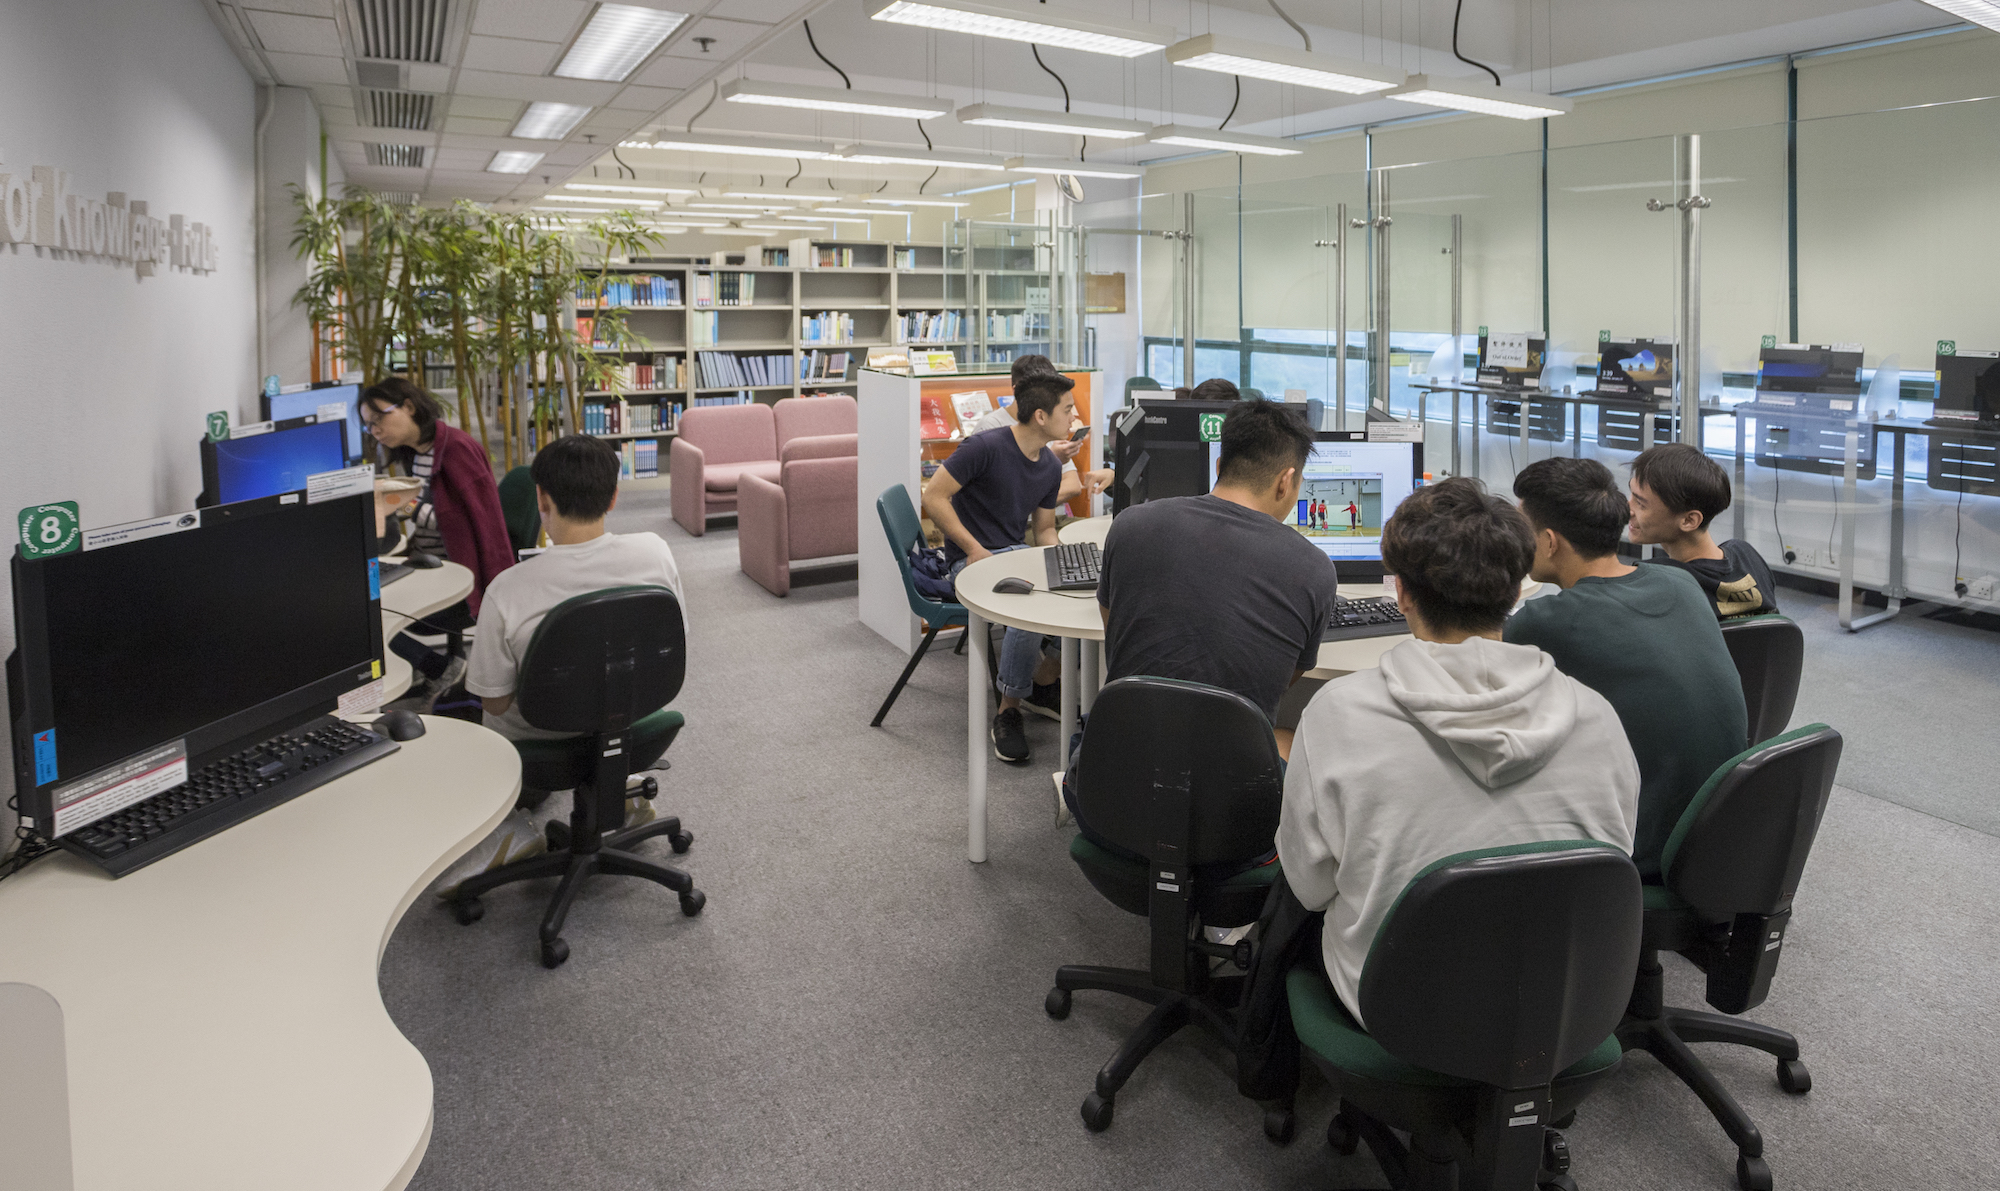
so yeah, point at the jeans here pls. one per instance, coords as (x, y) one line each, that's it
(1020, 650)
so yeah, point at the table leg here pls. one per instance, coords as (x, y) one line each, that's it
(1526, 406)
(1742, 495)
(1898, 585)
(1454, 435)
(1070, 689)
(978, 713)
(1848, 489)
(1092, 656)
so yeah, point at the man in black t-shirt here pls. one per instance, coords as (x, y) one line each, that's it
(1677, 493)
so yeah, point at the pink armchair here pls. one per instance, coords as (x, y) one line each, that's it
(715, 447)
(808, 513)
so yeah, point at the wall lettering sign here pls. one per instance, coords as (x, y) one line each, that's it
(39, 207)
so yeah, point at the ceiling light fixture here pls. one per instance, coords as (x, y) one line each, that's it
(850, 211)
(512, 161)
(791, 228)
(780, 196)
(1977, 11)
(737, 146)
(915, 202)
(1228, 142)
(544, 121)
(689, 222)
(629, 189)
(601, 200)
(818, 219)
(1468, 95)
(1256, 60)
(617, 39)
(992, 115)
(832, 99)
(1038, 26)
(1082, 169)
(863, 155)
(753, 208)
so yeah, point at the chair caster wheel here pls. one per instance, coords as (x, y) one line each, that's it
(682, 842)
(1279, 1124)
(1341, 1135)
(1752, 1174)
(468, 911)
(1096, 1113)
(648, 789)
(1793, 1077)
(1056, 1004)
(556, 832)
(554, 953)
(692, 901)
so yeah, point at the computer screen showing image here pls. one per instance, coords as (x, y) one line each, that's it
(1815, 368)
(1640, 366)
(289, 407)
(1350, 488)
(274, 461)
(1968, 387)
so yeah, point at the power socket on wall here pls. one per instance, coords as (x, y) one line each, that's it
(1983, 588)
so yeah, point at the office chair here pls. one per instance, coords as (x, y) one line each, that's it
(1135, 384)
(906, 531)
(1769, 652)
(603, 665)
(1732, 865)
(1491, 994)
(1186, 776)
(517, 505)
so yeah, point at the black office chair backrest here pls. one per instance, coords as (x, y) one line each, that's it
(1153, 743)
(1506, 965)
(1770, 653)
(1741, 845)
(601, 660)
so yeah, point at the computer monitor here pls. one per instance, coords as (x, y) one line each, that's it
(1809, 368)
(1968, 387)
(1511, 373)
(1160, 449)
(194, 634)
(1349, 490)
(246, 466)
(1640, 366)
(286, 407)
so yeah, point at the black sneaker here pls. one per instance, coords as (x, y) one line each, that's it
(1010, 737)
(1045, 700)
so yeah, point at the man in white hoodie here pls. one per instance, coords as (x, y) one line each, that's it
(1457, 741)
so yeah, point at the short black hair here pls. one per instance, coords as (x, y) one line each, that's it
(580, 475)
(1216, 389)
(424, 410)
(1685, 479)
(1578, 498)
(1040, 392)
(1259, 440)
(1027, 366)
(1460, 553)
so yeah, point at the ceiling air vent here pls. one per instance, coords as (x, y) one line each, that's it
(398, 198)
(403, 155)
(400, 109)
(402, 30)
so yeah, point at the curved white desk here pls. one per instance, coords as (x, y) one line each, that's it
(225, 1026)
(415, 595)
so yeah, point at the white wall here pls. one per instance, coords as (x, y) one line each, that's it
(108, 375)
(291, 157)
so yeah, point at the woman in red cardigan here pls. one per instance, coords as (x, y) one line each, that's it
(456, 514)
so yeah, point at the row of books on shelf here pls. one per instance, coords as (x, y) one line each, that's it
(906, 258)
(661, 372)
(629, 417)
(703, 402)
(941, 418)
(631, 290)
(703, 327)
(833, 258)
(828, 326)
(777, 257)
(1007, 354)
(929, 326)
(436, 377)
(724, 370)
(639, 459)
(1016, 326)
(725, 289)
(819, 365)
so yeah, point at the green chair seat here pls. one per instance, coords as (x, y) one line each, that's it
(1326, 1028)
(1231, 901)
(1660, 899)
(568, 762)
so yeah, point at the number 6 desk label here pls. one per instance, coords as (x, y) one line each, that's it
(50, 529)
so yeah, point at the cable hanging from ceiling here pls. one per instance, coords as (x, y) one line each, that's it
(1298, 28)
(1456, 14)
(1232, 106)
(715, 89)
(823, 58)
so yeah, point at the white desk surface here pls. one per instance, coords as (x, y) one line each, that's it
(416, 594)
(225, 1024)
(1059, 614)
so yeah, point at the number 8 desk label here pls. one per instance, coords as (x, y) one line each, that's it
(50, 529)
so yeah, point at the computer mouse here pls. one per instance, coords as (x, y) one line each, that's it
(1014, 585)
(422, 561)
(400, 724)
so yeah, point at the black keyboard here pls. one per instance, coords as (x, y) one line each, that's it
(392, 571)
(1073, 566)
(1376, 616)
(227, 791)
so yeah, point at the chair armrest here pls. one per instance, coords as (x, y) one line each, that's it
(762, 534)
(820, 446)
(821, 506)
(685, 476)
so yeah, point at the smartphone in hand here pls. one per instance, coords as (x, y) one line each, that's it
(1079, 434)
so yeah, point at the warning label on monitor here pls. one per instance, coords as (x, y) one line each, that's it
(332, 485)
(134, 531)
(362, 699)
(333, 411)
(117, 786)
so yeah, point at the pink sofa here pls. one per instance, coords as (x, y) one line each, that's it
(716, 446)
(809, 513)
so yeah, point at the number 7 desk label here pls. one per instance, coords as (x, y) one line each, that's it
(50, 529)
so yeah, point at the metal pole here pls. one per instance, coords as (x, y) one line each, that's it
(1687, 374)
(1187, 293)
(1340, 317)
(1457, 325)
(1380, 229)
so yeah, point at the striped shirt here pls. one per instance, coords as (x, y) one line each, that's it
(423, 522)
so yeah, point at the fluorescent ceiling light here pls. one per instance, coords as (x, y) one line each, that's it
(1082, 169)
(629, 189)
(1038, 25)
(781, 196)
(1977, 11)
(854, 211)
(602, 200)
(818, 219)
(690, 223)
(617, 39)
(1280, 64)
(832, 99)
(734, 145)
(862, 155)
(789, 228)
(753, 208)
(916, 202)
(1228, 142)
(992, 115)
(544, 121)
(512, 161)
(1465, 95)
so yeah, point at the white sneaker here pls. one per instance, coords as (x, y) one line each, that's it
(639, 810)
(517, 838)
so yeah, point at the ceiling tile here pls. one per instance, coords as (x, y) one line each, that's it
(467, 160)
(514, 86)
(286, 33)
(306, 8)
(336, 115)
(769, 12)
(490, 109)
(477, 126)
(731, 39)
(303, 70)
(537, 20)
(677, 74)
(509, 55)
(426, 76)
(645, 99)
(389, 136)
(574, 155)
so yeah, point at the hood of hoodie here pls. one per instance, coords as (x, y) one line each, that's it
(1503, 709)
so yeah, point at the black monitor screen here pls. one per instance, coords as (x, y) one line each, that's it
(1969, 383)
(1637, 367)
(273, 462)
(1808, 370)
(287, 406)
(149, 641)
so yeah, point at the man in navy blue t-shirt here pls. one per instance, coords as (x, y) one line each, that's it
(982, 500)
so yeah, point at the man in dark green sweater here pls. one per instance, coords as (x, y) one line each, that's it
(1645, 638)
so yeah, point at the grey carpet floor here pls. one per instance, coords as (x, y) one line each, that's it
(859, 1007)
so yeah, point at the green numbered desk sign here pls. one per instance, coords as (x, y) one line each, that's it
(218, 425)
(50, 529)
(1770, 341)
(1604, 336)
(1211, 427)
(1947, 347)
